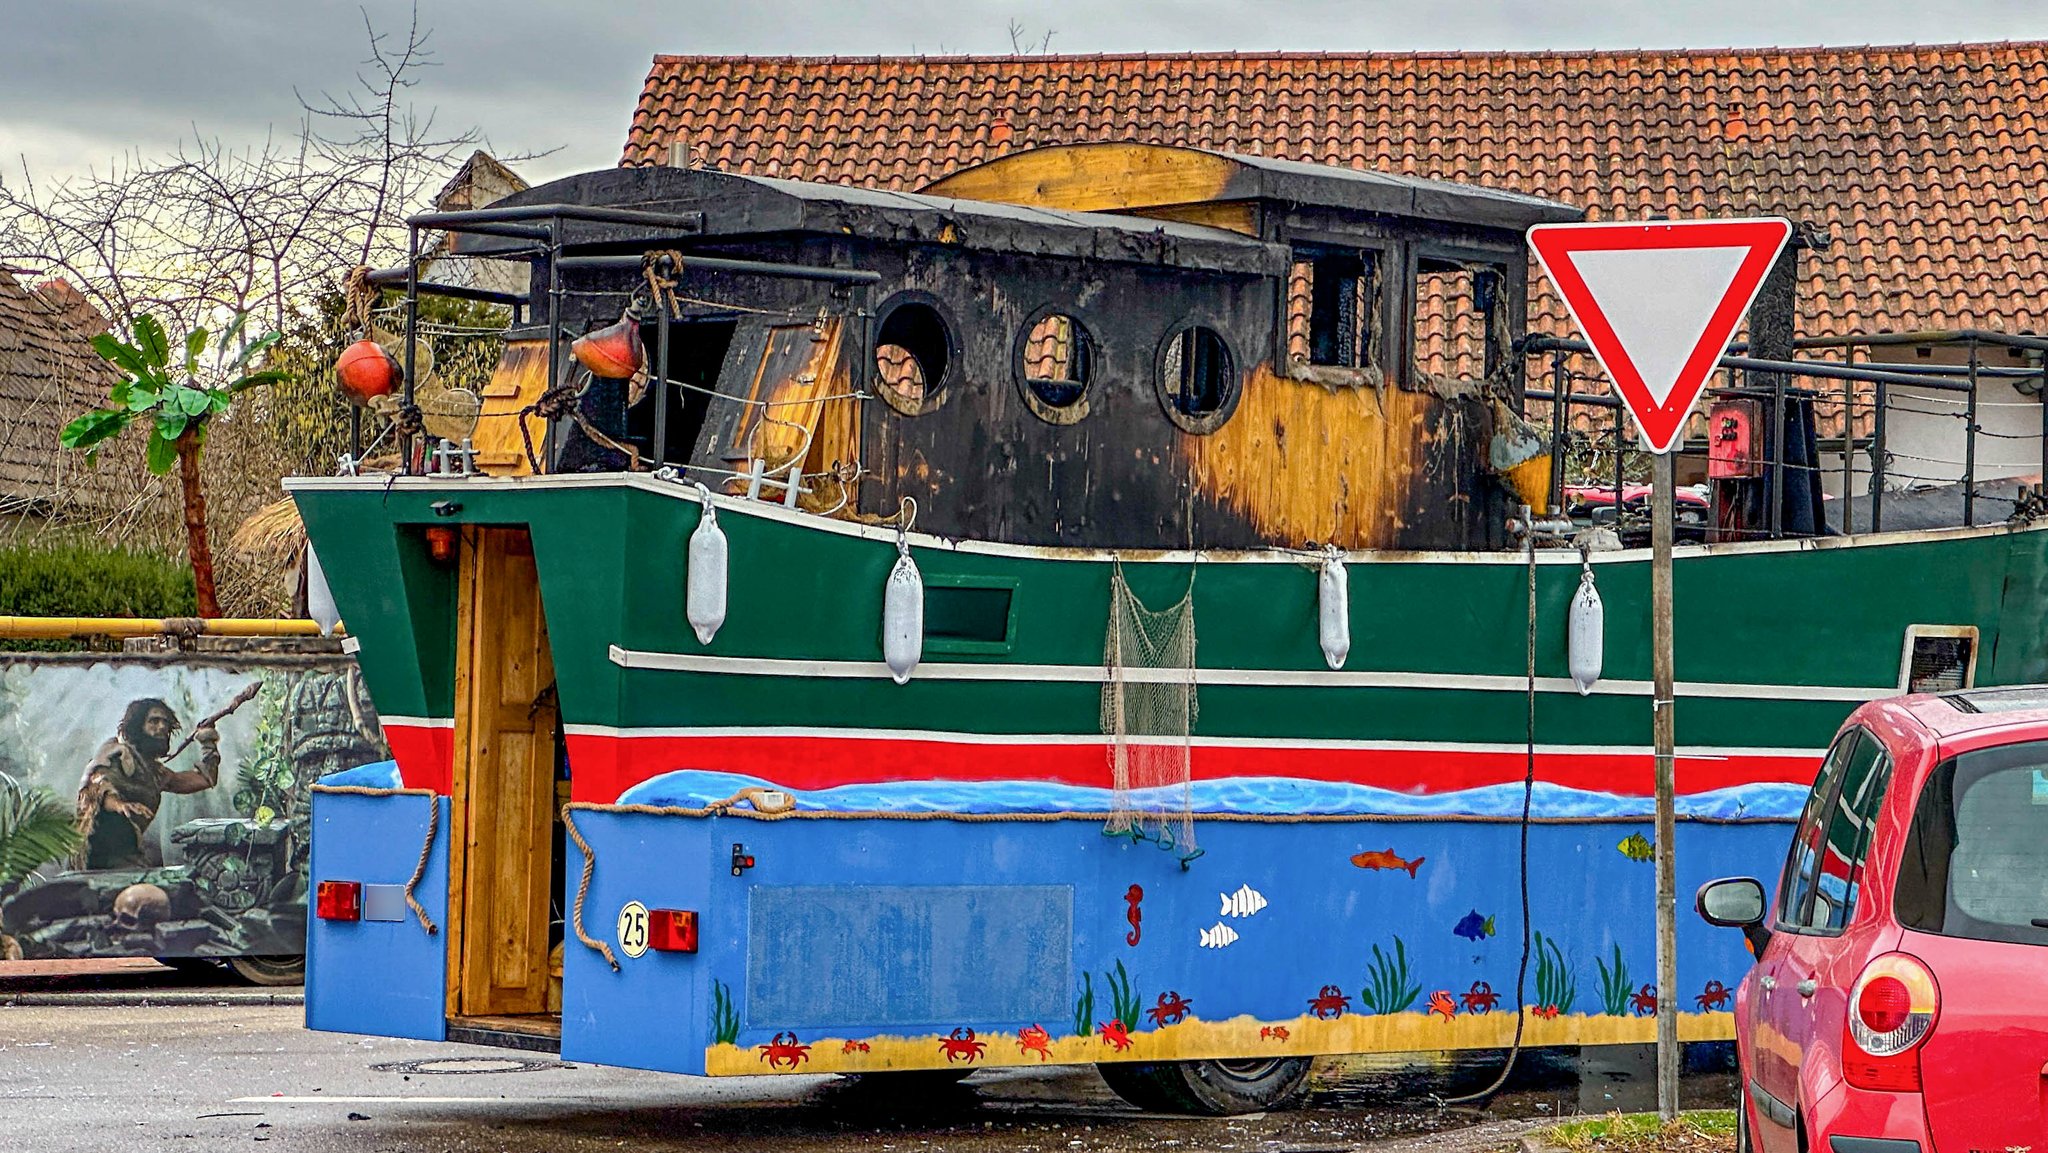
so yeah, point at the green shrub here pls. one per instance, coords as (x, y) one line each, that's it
(75, 578)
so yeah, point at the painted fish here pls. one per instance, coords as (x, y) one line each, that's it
(1474, 927)
(1385, 859)
(1132, 897)
(1242, 903)
(1637, 847)
(1218, 936)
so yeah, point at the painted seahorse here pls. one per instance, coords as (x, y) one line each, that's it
(1131, 898)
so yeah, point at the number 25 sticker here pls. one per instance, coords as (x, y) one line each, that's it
(633, 928)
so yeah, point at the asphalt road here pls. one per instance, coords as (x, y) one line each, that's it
(202, 1076)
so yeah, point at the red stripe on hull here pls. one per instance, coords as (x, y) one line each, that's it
(605, 766)
(425, 755)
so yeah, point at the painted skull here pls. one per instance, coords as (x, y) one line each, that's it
(138, 908)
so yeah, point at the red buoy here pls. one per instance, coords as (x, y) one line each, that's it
(614, 351)
(366, 371)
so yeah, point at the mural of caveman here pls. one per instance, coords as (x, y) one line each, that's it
(125, 782)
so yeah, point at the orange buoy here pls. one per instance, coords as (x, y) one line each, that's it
(614, 351)
(366, 371)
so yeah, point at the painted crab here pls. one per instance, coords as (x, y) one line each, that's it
(1172, 1009)
(961, 1046)
(1547, 1012)
(1273, 1032)
(1644, 1002)
(1114, 1035)
(1480, 998)
(1329, 1002)
(782, 1049)
(1442, 1002)
(1034, 1039)
(1714, 996)
(854, 1047)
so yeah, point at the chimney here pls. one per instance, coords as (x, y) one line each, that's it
(679, 151)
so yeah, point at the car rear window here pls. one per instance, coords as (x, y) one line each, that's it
(1976, 855)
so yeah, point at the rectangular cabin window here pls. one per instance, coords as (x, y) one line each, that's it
(1939, 659)
(1332, 296)
(968, 615)
(1457, 308)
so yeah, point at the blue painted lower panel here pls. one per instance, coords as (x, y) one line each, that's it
(387, 978)
(846, 930)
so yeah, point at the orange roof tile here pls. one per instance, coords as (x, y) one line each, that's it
(1927, 164)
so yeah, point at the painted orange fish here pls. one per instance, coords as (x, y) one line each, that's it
(1385, 859)
(1441, 1002)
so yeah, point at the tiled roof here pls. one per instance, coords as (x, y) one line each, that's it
(48, 374)
(1927, 164)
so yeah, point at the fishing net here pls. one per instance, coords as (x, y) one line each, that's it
(1148, 712)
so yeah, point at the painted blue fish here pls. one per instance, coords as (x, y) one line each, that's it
(1474, 927)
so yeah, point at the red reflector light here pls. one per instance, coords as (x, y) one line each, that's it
(339, 901)
(441, 543)
(672, 930)
(1899, 1074)
(1884, 1004)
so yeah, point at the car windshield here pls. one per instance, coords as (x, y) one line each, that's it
(1976, 858)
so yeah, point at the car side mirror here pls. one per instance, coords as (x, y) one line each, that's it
(1735, 903)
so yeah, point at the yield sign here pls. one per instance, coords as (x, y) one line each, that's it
(1659, 301)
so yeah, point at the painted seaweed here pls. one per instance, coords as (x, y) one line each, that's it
(1557, 986)
(1389, 987)
(725, 1019)
(1123, 999)
(1084, 1006)
(1614, 985)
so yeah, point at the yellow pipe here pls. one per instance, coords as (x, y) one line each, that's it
(65, 628)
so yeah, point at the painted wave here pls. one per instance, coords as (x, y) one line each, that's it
(375, 775)
(1263, 796)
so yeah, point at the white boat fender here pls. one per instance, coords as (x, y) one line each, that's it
(1585, 633)
(319, 598)
(705, 573)
(903, 608)
(1333, 597)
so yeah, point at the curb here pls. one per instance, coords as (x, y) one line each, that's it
(148, 998)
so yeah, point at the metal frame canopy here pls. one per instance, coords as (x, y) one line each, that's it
(1658, 301)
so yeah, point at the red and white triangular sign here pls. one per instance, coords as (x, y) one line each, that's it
(1659, 301)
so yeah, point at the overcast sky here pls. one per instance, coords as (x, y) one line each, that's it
(82, 81)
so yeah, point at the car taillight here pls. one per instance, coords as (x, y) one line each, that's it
(338, 901)
(1892, 1008)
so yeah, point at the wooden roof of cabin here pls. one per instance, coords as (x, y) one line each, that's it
(1927, 164)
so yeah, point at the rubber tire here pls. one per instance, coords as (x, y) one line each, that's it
(1743, 1142)
(1208, 1088)
(280, 970)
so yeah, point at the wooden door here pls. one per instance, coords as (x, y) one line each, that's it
(504, 779)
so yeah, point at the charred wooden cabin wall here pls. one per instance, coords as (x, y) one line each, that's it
(1375, 456)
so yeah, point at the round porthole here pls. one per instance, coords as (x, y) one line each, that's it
(914, 348)
(1198, 385)
(1055, 362)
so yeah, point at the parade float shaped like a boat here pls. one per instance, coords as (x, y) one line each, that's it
(1082, 612)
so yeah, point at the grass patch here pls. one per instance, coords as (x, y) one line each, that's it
(1696, 1131)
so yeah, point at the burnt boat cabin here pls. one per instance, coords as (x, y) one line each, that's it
(1103, 345)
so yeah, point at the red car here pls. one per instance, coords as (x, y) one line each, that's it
(1899, 1002)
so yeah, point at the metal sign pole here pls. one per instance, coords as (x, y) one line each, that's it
(1662, 500)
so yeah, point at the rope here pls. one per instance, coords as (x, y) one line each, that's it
(583, 891)
(359, 298)
(420, 870)
(726, 808)
(564, 400)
